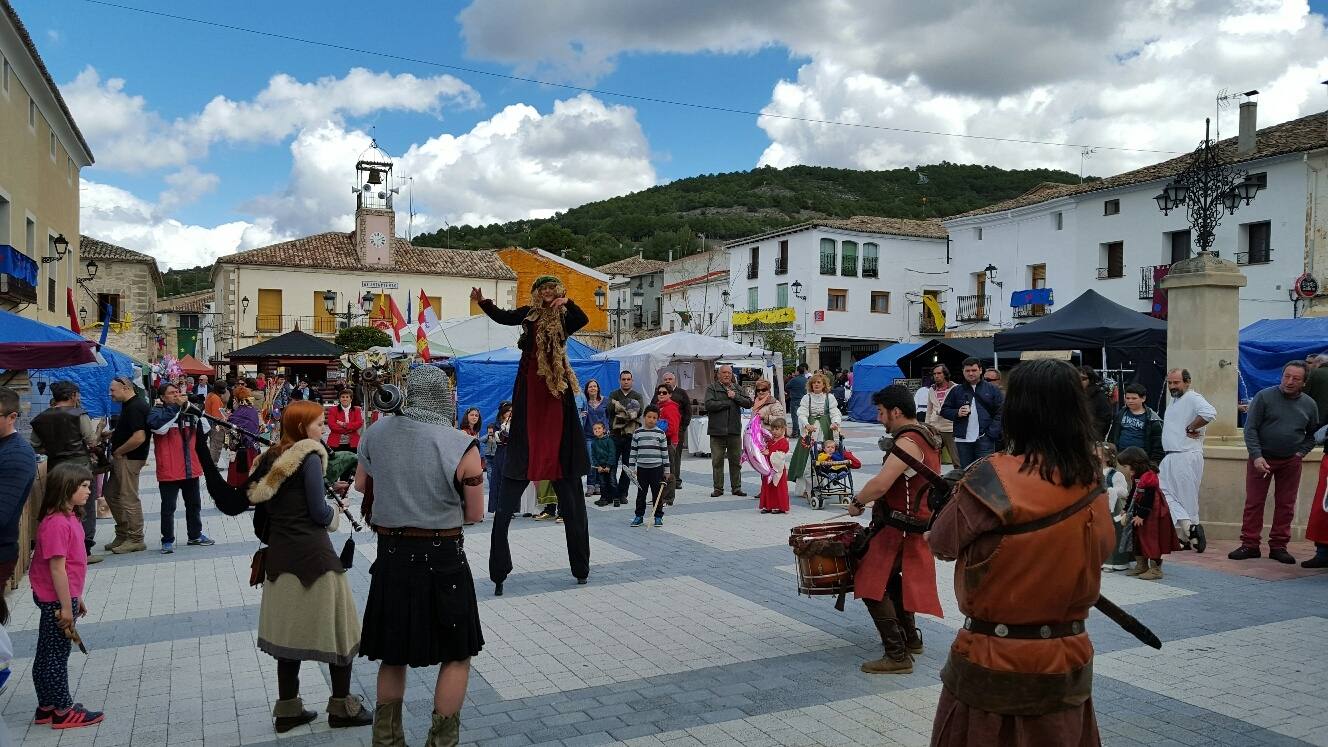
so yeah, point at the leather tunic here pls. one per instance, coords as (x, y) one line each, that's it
(60, 434)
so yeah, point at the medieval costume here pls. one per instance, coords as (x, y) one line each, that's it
(543, 402)
(1156, 536)
(1317, 529)
(245, 416)
(1020, 672)
(896, 578)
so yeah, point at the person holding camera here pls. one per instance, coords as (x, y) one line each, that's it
(974, 406)
(546, 440)
(176, 426)
(896, 578)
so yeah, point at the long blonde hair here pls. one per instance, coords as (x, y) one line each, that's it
(551, 342)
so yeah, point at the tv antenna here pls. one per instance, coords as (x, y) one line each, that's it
(1084, 154)
(1224, 99)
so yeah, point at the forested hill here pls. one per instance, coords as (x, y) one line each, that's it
(729, 206)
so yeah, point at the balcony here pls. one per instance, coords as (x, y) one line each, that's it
(827, 265)
(849, 267)
(1029, 311)
(752, 270)
(927, 325)
(1104, 273)
(18, 277)
(869, 267)
(1146, 280)
(781, 265)
(972, 308)
(1254, 258)
(273, 324)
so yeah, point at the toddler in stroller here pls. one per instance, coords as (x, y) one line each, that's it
(832, 475)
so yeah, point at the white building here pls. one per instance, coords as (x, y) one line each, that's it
(1110, 236)
(846, 288)
(635, 304)
(693, 298)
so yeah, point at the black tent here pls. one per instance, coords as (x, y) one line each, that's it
(952, 351)
(1095, 325)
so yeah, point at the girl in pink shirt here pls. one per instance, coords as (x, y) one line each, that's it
(59, 566)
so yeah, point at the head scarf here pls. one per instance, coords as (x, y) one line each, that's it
(429, 397)
(551, 340)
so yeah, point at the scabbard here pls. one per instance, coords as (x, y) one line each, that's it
(1127, 621)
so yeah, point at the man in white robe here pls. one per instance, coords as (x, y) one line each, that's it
(1183, 427)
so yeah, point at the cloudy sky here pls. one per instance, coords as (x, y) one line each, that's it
(209, 140)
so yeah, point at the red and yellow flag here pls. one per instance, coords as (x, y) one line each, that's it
(422, 339)
(395, 318)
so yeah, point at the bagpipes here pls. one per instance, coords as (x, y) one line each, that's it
(233, 501)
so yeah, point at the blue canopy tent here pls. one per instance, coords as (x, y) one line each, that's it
(873, 373)
(94, 381)
(484, 380)
(28, 344)
(1268, 344)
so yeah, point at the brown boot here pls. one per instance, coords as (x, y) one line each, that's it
(445, 731)
(1140, 565)
(912, 636)
(896, 659)
(387, 728)
(347, 711)
(1152, 574)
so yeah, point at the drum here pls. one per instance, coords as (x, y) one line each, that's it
(825, 564)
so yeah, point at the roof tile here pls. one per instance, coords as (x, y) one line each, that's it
(633, 266)
(336, 251)
(90, 248)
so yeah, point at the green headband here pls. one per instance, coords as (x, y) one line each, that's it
(541, 280)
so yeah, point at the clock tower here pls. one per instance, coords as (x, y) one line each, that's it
(375, 217)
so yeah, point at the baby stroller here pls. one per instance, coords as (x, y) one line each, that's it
(832, 478)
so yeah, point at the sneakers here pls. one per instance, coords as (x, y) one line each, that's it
(1200, 539)
(202, 541)
(76, 717)
(167, 547)
(1244, 553)
(1280, 555)
(43, 715)
(129, 546)
(659, 521)
(542, 516)
(637, 521)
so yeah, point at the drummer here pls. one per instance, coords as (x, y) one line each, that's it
(897, 576)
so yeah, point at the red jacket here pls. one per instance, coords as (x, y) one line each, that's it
(173, 441)
(340, 424)
(670, 413)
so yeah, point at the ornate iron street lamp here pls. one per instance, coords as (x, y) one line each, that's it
(1205, 188)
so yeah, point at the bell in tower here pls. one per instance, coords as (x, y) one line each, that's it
(375, 218)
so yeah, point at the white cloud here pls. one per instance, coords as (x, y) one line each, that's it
(127, 136)
(1137, 73)
(186, 186)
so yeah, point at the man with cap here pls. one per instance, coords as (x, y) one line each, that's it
(546, 441)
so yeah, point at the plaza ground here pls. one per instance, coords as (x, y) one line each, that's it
(687, 635)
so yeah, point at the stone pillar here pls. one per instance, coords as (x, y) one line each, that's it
(1316, 230)
(813, 356)
(1203, 321)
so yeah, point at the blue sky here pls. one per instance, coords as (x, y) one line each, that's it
(980, 69)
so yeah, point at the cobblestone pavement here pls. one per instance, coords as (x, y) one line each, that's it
(690, 635)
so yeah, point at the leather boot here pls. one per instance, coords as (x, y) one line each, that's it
(347, 711)
(387, 728)
(1152, 574)
(912, 636)
(445, 731)
(288, 714)
(1140, 565)
(896, 659)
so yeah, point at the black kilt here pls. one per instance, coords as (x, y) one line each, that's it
(421, 609)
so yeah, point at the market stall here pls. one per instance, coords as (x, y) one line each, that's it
(485, 380)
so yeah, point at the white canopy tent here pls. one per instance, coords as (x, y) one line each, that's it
(461, 336)
(692, 358)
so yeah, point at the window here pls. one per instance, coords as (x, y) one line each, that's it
(869, 260)
(781, 295)
(849, 259)
(1178, 244)
(53, 145)
(1111, 207)
(1113, 260)
(435, 303)
(112, 301)
(781, 261)
(827, 256)
(4, 220)
(880, 302)
(50, 293)
(1260, 179)
(977, 234)
(325, 323)
(269, 310)
(1058, 220)
(670, 325)
(30, 230)
(188, 321)
(32, 114)
(837, 300)
(6, 74)
(753, 299)
(1257, 238)
(70, 176)
(753, 262)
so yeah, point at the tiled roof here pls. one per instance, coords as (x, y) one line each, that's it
(186, 303)
(698, 280)
(46, 74)
(336, 251)
(1298, 135)
(90, 248)
(293, 344)
(925, 229)
(633, 266)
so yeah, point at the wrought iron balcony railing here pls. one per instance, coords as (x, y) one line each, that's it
(972, 308)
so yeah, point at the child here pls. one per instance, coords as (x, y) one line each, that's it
(650, 456)
(1153, 532)
(774, 496)
(59, 565)
(546, 497)
(603, 459)
(1118, 492)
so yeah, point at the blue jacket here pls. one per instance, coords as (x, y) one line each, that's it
(986, 399)
(18, 469)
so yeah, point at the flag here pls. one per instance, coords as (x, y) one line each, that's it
(422, 342)
(73, 313)
(105, 324)
(428, 319)
(395, 318)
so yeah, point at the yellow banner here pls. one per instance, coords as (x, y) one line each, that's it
(936, 314)
(781, 315)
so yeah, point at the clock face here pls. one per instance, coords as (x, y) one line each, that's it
(377, 238)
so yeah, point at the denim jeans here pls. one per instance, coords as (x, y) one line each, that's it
(193, 520)
(974, 450)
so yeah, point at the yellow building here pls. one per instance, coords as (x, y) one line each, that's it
(581, 283)
(41, 152)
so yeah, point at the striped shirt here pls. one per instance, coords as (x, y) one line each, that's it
(650, 448)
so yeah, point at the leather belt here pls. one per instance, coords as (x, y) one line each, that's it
(1033, 632)
(417, 532)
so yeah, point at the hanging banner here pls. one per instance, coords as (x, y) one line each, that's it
(775, 316)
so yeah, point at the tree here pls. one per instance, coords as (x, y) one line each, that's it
(781, 341)
(355, 339)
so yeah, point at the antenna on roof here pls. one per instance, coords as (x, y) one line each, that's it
(1084, 155)
(1224, 99)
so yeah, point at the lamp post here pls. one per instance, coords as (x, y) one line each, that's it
(1205, 188)
(61, 245)
(330, 305)
(617, 312)
(91, 268)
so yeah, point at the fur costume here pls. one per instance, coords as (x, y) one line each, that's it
(270, 473)
(550, 343)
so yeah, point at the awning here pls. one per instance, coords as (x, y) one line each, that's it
(17, 264)
(27, 343)
(1032, 297)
